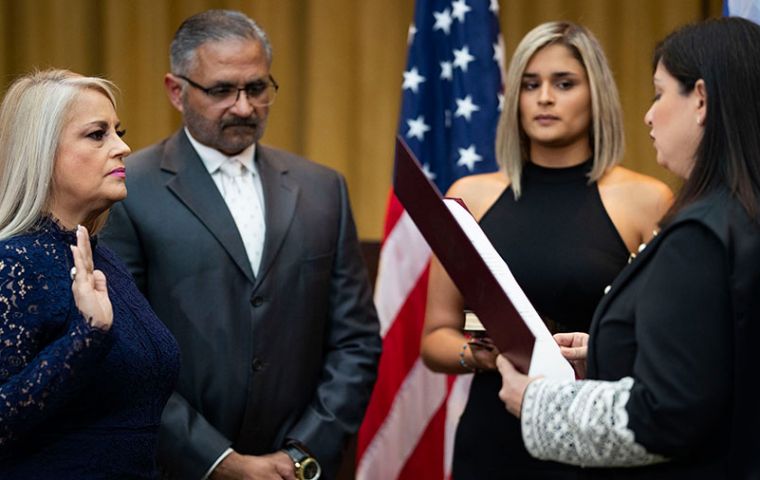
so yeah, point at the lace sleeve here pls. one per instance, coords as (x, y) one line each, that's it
(582, 423)
(47, 348)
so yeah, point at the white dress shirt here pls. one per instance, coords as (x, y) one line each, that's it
(213, 160)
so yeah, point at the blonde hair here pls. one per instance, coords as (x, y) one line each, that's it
(607, 140)
(32, 117)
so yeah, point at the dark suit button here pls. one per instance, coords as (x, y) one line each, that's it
(257, 365)
(257, 301)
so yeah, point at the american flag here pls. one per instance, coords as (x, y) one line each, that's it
(451, 98)
(749, 9)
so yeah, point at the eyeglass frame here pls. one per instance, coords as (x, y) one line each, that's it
(249, 97)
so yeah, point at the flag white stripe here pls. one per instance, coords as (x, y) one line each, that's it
(403, 258)
(419, 398)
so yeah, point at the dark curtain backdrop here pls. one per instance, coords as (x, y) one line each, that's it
(339, 64)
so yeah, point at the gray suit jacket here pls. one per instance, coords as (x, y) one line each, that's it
(289, 354)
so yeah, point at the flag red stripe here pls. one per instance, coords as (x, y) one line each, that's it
(426, 462)
(392, 214)
(400, 352)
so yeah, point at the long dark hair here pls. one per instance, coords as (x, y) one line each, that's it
(725, 54)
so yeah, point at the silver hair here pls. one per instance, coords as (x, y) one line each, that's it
(211, 26)
(32, 117)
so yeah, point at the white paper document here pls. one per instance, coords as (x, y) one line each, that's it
(547, 360)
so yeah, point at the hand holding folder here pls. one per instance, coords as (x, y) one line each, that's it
(479, 272)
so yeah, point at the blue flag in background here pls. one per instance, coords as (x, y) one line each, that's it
(749, 9)
(452, 87)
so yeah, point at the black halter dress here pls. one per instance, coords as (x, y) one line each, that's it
(563, 249)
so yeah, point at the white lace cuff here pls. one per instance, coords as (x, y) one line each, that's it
(581, 423)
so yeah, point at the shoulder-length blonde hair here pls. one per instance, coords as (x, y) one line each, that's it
(32, 117)
(606, 135)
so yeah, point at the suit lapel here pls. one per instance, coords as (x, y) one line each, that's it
(280, 195)
(195, 188)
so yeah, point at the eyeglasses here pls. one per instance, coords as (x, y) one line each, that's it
(259, 93)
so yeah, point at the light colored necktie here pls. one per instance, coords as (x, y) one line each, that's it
(240, 195)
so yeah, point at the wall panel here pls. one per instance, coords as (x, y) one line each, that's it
(339, 63)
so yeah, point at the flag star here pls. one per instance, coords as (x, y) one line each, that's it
(500, 97)
(443, 21)
(460, 9)
(412, 80)
(465, 107)
(417, 128)
(428, 173)
(494, 7)
(410, 35)
(446, 71)
(447, 118)
(498, 54)
(468, 157)
(462, 58)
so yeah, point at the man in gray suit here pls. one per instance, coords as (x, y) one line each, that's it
(250, 256)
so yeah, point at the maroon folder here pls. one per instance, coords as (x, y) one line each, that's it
(481, 291)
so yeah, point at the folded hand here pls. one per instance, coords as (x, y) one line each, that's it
(513, 385)
(574, 347)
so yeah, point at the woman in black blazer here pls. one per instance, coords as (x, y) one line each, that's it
(671, 371)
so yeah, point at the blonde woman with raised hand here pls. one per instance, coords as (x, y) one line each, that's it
(85, 365)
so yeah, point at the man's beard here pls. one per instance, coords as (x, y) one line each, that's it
(230, 135)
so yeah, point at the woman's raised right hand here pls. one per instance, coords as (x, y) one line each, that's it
(89, 285)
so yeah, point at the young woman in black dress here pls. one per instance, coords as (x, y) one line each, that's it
(560, 212)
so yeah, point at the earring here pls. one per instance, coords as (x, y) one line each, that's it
(700, 121)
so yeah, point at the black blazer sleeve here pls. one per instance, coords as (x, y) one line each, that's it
(187, 442)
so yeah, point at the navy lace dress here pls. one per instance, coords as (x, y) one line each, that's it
(77, 402)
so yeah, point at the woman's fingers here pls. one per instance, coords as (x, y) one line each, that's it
(513, 385)
(89, 286)
(504, 365)
(475, 343)
(99, 281)
(573, 339)
(581, 339)
(483, 358)
(574, 353)
(82, 254)
(79, 272)
(83, 242)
